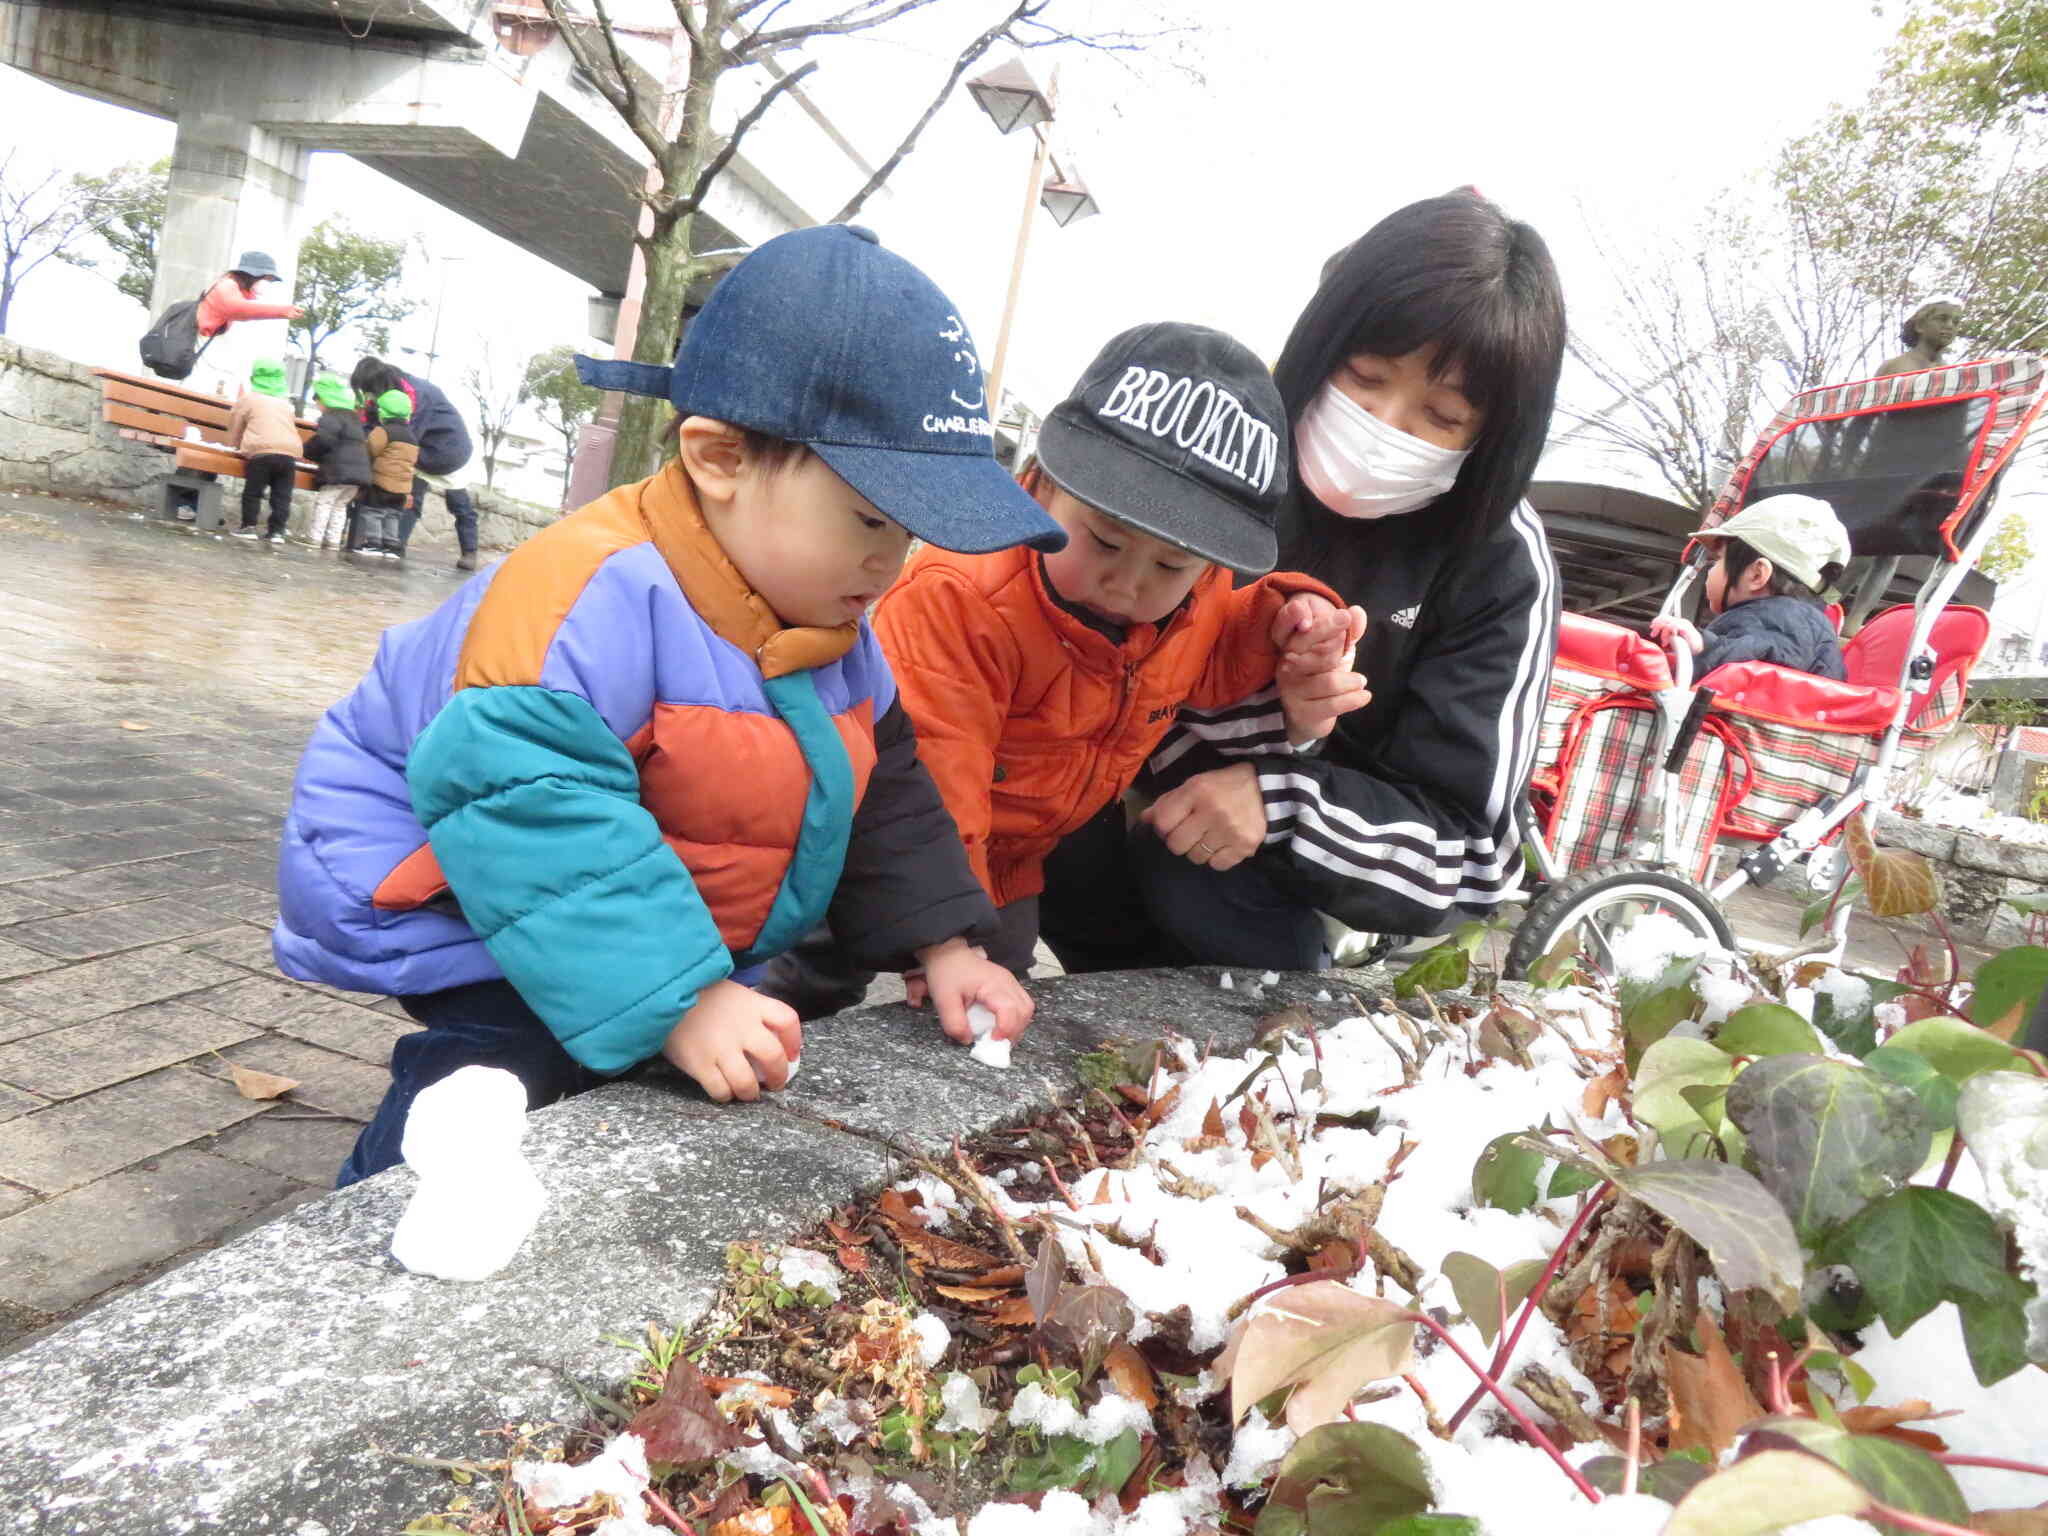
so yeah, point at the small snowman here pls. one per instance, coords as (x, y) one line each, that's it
(478, 1198)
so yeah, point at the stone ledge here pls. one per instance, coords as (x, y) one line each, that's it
(247, 1390)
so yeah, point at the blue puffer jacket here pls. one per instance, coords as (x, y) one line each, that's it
(1787, 631)
(604, 771)
(444, 436)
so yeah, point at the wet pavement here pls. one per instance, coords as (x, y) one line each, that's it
(156, 688)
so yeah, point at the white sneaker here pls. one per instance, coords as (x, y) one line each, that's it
(243, 533)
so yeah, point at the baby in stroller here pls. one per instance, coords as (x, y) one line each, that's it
(1779, 557)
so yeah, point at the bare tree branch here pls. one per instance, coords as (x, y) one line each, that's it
(753, 115)
(846, 22)
(968, 55)
(610, 74)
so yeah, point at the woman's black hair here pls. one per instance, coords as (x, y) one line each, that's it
(1456, 273)
(1738, 556)
(372, 376)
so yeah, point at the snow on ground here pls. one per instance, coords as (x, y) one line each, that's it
(1973, 813)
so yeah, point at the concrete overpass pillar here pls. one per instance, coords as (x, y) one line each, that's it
(234, 187)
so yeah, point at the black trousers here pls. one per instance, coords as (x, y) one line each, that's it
(268, 474)
(460, 507)
(1113, 901)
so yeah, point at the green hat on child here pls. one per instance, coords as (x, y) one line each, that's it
(266, 376)
(333, 393)
(394, 405)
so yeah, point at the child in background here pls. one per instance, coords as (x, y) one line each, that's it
(1040, 683)
(341, 450)
(566, 815)
(1778, 557)
(263, 427)
(394, 454)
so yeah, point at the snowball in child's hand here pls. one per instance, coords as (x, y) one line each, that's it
(991, 1052)
(981, 1020)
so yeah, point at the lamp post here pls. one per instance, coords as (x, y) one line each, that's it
(440, 303)
(1013, 99)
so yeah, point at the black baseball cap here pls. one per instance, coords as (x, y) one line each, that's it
(1178, 431)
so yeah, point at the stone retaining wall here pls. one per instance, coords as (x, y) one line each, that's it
(1977, 873)
(258, 1388)
(53, 440)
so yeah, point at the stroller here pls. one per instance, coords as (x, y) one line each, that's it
(1643, 772)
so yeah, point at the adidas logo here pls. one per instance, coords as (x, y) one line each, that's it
(1406, 617)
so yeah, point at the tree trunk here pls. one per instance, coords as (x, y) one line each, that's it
(643, 417)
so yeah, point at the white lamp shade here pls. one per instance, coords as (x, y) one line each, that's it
(1010, 97)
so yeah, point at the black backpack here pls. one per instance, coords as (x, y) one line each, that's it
(171, 348)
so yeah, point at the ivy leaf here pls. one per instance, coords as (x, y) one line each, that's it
(1477, 1285)
(1114, 1464)
(1087, 1322)
(1995, 1331)
(1895, 883)
(1670, 1479)
(1343, 1479)
(1909, 1069)
(684, 1423)
(1744, 1230)
(1569, 1179)
(1765, 1029)
(1959, 1050)
(1559, 966)
(1679, 973)
(1828, 1137)
(1442, 969)
(1667, 1069)
(2006, 986)
(1916, 1247)
(1325, 1340)
(1064, 1462)
(1766, 1492)
(1042, 1284)
(1507, 1176)
(1653, 1017)
(1890, 1471)
(1851, 892)
(1854, 1030)
(1432, 1525)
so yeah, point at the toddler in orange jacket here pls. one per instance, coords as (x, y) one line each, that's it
(1039, 684)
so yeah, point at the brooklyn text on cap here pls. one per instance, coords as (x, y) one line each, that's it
(1178, 431)
(822, 337)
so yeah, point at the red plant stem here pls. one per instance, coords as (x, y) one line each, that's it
(1059, 1184)
(1948, 1166)
(1955, 962)
(662, 1509)
(1522, 1420)
(1774, 1384)
(1306, 1276)
(1912, 1522)
(1506, 1351)
(1635, 1447)
(1951, 1459)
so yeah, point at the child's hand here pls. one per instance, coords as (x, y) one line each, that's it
(1313, 703)
(735, 1041)
(956, 974)
(1672, 632)
(1312, 636)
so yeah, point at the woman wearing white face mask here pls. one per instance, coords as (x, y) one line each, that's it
(1419, 380)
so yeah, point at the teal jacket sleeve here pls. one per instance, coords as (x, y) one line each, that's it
(533, 809)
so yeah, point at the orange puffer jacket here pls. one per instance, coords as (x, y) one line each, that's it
(1029, 720)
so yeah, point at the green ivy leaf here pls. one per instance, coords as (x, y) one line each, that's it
(1477, 1285)
(1063, 1463)
(1909, 1069)
(1114, 1464)
(1654, 1017)
(1765, 1029)
(1507, 1176)
(1442, 969)
(1995, 1331)
(1827, 1137)
(1669, 1479)
(1431, 1525)
(1818, 908)
(1743, 1228)
(1566, 1180)
(2028, 906)
(1958, 1050)
(2007, 984)
(1890, 1471)
(1667, 1069)
(1765, 1492)
(1854, 1030)
(1917, 1247)
(1679, 973)
(1860, 1381)
(1341, 1479)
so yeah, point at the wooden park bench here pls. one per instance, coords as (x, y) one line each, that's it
(150, 410)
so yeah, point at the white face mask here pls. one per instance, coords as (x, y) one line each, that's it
(1358, 466)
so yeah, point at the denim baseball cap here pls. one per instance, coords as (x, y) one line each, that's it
(822, 337)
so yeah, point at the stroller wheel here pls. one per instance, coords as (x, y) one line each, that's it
(1602, 901)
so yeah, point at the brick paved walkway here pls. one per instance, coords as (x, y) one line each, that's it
(155, 692)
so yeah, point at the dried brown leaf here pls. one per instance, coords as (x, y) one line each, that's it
(973, 1295)
(1324, 1339)
(1604, 1090)
(251, 1084)
(683, 1423)
(1710, 1401)
(1130, 1374)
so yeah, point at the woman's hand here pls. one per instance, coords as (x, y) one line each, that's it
(1216, 819)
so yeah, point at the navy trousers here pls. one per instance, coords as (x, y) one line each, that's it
(486, 1024)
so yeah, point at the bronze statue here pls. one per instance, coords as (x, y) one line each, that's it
(1928, 332)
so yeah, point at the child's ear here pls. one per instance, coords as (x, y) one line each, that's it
(713, 454)
(1759, 575)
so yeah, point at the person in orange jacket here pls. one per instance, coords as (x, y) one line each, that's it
(1040, 684)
